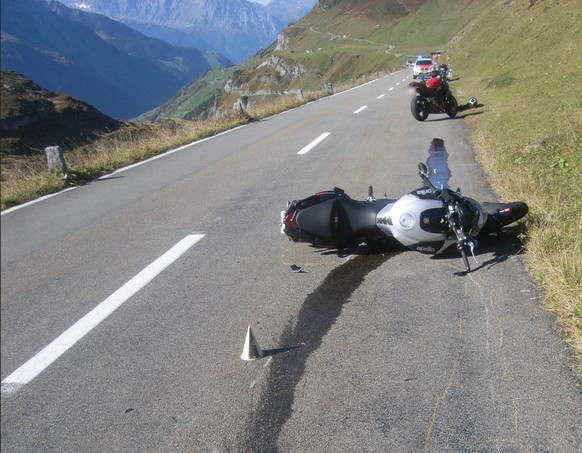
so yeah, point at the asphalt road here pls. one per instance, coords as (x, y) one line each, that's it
(125, 305)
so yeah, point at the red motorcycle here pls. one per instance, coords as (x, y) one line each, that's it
(426, 100)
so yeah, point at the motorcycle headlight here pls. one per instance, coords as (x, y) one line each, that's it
(407, 221)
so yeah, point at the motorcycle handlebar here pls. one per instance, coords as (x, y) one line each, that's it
(453, 215)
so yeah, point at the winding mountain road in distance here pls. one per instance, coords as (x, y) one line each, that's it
(125, 305)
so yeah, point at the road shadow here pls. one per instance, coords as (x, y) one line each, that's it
(502, 245)
(372, 248)
(465, 115)
(448, 118)
(271, 352)
(468, 110)
(468, 106)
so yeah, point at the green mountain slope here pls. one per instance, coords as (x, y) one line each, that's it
(337, 42)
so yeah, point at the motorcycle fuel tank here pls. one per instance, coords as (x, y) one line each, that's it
(416, 220)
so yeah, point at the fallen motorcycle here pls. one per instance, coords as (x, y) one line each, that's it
(426, 101)
(427, 220)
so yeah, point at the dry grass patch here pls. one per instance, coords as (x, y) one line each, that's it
(528, 138)
(26, 178)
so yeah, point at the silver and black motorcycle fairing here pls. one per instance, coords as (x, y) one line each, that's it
(427, 220)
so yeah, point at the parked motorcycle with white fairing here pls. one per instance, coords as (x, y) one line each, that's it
(428, 220)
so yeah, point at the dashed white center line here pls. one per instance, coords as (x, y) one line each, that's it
(361, 109)
(315, 142)
(381, 96)
(390, 89)
(73, 334)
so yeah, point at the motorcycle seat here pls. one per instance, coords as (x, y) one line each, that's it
(315, 219)
(341, 220)
(355, 219)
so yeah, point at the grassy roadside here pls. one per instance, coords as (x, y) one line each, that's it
(26, 178)
(528, 136)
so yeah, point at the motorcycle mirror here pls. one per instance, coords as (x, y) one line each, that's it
(422, 169)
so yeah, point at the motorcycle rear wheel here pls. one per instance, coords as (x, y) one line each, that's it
(419, 108)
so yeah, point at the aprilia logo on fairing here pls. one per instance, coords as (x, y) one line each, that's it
(426, 249)
(424, 191)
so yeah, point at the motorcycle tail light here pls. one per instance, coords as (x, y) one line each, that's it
(289, 223)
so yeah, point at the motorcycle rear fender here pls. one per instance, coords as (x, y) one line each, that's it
(319, 197)
(502, 214)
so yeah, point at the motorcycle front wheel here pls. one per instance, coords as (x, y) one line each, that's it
(452, 106)
(419, 108)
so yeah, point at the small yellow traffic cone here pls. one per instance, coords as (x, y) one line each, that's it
(251, 349)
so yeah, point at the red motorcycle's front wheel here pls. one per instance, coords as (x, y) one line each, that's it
(452, 106)
(419, 108)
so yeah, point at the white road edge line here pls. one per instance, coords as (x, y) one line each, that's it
(361, 109)
(120, 170)
(73, 334)
(314, 143)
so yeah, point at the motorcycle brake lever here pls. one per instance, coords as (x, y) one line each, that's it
(472, 249)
